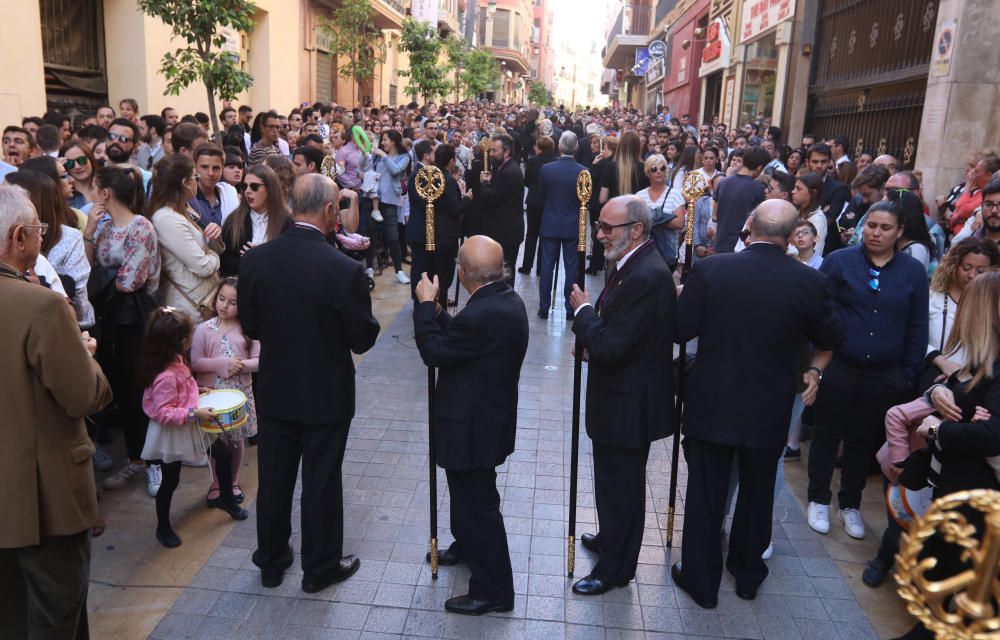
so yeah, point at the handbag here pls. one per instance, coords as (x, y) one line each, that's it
(204, 310)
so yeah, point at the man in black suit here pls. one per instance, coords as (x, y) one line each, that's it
(628, 336)
(501, 201)
(423, 151)
(479, 354)
(833, 197)
(309, 306)
(753, 313)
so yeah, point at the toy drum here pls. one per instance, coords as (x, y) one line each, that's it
(230, 406)
(904, 505)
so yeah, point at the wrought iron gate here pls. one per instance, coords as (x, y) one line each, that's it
(73, 52)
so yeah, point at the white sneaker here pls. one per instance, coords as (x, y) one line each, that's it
(402, 278)
(768, 552)
(819, 517)
(123, 476)
(370, 272)
(154, 476)
(377, 215)
(853, 524)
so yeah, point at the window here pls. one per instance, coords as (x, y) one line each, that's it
(517, 31)
(501, 28)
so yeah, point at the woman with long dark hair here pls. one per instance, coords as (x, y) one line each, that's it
(916, 240)
(261, 216)
(391, 163)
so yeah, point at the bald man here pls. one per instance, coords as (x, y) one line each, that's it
(754, 313)
(478, 354)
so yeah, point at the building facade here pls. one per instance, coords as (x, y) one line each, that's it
(505, 30)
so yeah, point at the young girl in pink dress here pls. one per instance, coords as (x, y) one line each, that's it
(223, 358)
(170, 400)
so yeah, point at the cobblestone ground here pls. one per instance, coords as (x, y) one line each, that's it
(386, 496)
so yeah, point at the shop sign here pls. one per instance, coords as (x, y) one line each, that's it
(715, 55)
(761, 15)
(657, 48)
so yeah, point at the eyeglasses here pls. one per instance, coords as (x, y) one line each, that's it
(43, 227)
(69, 163)
(990, 205)
(117, 137)
(606, 228)
(252, 186)
(660, 169)
(873, 276)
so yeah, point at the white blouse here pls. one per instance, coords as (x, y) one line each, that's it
(258, 223)
(941, 318)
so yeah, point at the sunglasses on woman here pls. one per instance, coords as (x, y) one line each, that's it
(253, 186)
(69, 163)
(660, 169)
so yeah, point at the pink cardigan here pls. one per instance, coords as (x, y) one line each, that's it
(901, 437)
(206, 347)
(172, 395)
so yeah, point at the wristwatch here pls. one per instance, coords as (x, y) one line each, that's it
(819, 373)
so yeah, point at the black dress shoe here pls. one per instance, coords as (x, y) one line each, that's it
(544, 315)
(168, 538)
(592, 271)
(678, 576)
(234, 510)
(591, 586)
(469, 606)
(745, 594)
(875, 572)
(252, 440)
(589, 541)
(446, 558)
(271, 578)
(349, 565)
(524, 270)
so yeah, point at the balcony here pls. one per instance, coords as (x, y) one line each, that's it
(448, 17)
(387, 14)
(630, 32)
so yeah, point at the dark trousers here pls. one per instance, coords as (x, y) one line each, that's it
(620, 497)
(534, 218)
(119, 357)
(321, 449)
(444, 266)
(43, 589)
(851, 407)
(510, 260)
(550, 254)
(477, 524)
(596, 250)
(709, 467)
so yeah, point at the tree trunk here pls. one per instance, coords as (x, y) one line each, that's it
(210, 90)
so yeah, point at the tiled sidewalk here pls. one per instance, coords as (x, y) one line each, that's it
(385, 479)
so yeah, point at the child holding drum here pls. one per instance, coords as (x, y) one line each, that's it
(170, 400)
(223, 357)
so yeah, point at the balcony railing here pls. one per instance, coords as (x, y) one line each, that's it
(397, 5)
(633, 19)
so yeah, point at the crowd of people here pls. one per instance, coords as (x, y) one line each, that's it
(159, 229)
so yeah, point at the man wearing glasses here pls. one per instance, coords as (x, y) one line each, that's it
(49, 382)
(270, 126)
(628, 337)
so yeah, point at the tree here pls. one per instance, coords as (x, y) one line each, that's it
(538, 94)
(354, 36)
(428, 77)
(476, 70)
(199, 22)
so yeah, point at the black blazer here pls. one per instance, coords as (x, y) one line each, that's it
(501, 203)
(630, 383)
(532, 173)
(229, 260)
(309, 306)
(753, 313)
(479, 353)
(447, 213)
(834, 196)
(964, 446)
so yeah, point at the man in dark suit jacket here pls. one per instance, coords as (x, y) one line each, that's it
(560, 228)
(423, 151)
(753, 313)
(479, 354)
(447, 225)
(501, 201)
(309, 306)
(628, 336)
(833, 197)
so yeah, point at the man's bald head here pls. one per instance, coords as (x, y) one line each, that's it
(312, 193)
(480, 262)
(887, 161)
(773, 221)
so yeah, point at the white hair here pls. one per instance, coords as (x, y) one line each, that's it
(568, 143)
(15, 208)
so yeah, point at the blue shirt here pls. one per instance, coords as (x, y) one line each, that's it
(206, 210)
(882, 328)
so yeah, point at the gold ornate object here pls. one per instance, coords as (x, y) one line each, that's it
(963, 606)
(484, 144)
(434, 557)
(908, 151)
(859, 148)
(329, 167)
(430, 186)
(694, 185)
(584, 189)
(571, 551)
(881, 146)
(861, 102)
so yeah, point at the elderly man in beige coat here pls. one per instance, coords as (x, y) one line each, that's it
(48, 500)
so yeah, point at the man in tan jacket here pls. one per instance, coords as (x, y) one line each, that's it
(48, 500)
